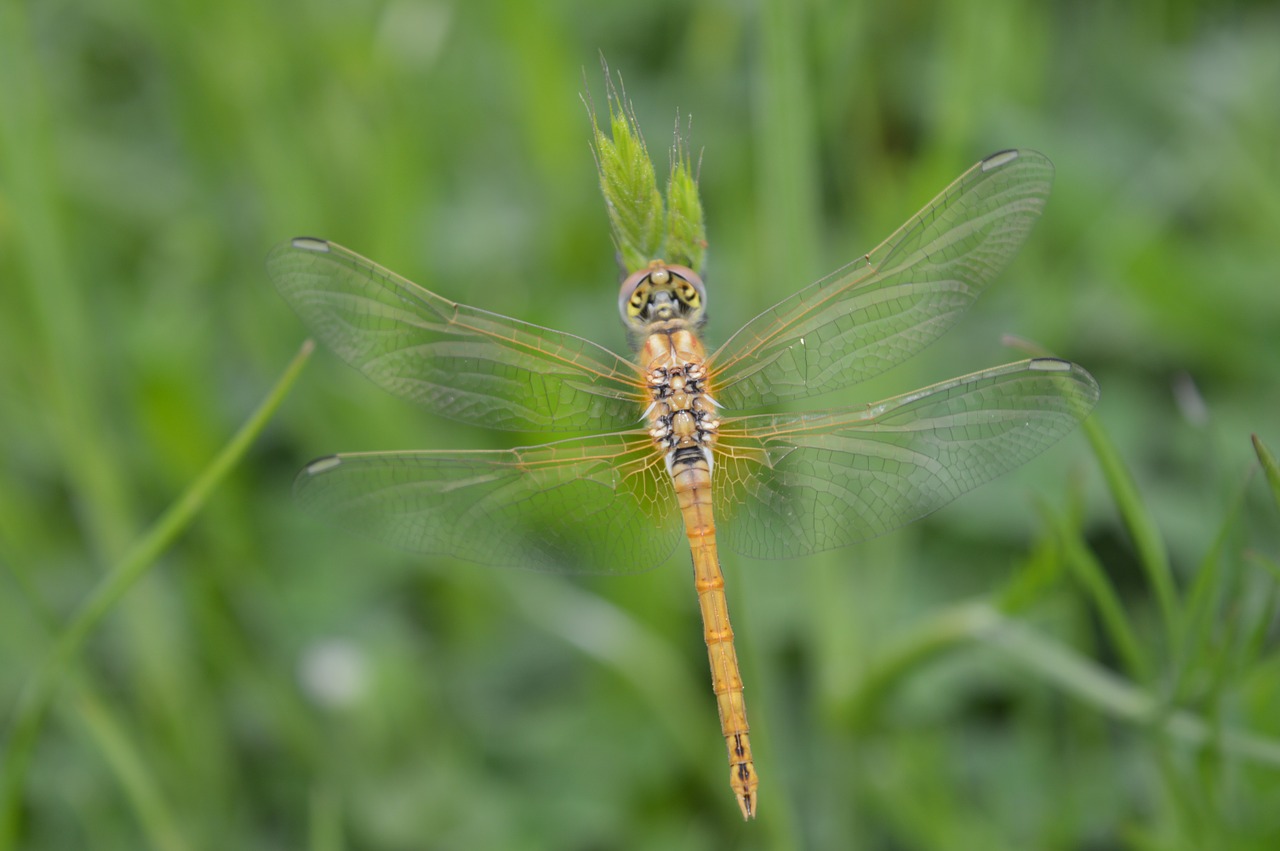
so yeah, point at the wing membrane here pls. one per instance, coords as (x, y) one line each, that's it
(459, 361)
(886, 306)
(800, 483)
(601, 504)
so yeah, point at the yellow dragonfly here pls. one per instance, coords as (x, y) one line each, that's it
(671, 455)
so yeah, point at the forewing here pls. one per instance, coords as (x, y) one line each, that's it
(885, 307)
(600, 504)
(794, 484)
(459, 361)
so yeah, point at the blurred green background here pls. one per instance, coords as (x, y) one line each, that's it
(273, 684)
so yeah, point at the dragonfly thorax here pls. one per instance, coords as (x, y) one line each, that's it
(682, 416)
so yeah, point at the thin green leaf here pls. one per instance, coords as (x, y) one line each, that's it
(34, 703)
(1255, 640)
(1139, 522)
(948, 628)
(1204, 603)
(1270, 564)
(1057, 664)
(1152, 555)
(1097, 584)
(133, 774)
(140, 786)
(1096, 685)
(1269, 467)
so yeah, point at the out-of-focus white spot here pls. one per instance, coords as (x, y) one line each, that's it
(412, 33)
(1189, 401)
(333, 673)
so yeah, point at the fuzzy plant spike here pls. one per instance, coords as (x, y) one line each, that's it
(644, 228)
(686, 238)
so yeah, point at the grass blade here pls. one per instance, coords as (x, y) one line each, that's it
(139, 785)
(980, 622)
(38, 693)
(1091, 575)
(1269, 467)
(1142, 529)
(1216, 578)
(1120, 698)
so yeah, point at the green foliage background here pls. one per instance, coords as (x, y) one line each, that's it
(271, 684)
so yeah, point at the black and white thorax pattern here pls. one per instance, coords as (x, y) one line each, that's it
(682, 416)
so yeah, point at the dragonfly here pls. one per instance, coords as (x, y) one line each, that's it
(672, 449)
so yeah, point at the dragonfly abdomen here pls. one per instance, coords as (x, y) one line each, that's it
(684, 427)
(692, 482)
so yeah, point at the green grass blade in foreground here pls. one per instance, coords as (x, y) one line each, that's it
(1269, 467)
(59, 336)
(980, 622)
(930, 637)
(1217, 580)
(1138, 520)
(139, 785)
(1152, 554)
(1097, 584)
(39, 691)
(1255, 641)
(1120, 698)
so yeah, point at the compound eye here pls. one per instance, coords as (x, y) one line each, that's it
(687, 293)
(639, 298)
(634, 294)
(688, 286)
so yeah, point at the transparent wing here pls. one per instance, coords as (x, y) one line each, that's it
(794, 484)
(601, 504)
(459, 361)
(884, 307)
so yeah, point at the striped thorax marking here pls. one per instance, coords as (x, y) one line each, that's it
(682, 419)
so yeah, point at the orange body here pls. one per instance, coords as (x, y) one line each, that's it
(683, 425)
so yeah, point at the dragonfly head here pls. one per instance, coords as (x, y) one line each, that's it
(661, 293)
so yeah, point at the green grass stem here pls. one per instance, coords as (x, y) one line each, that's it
(39, 692)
